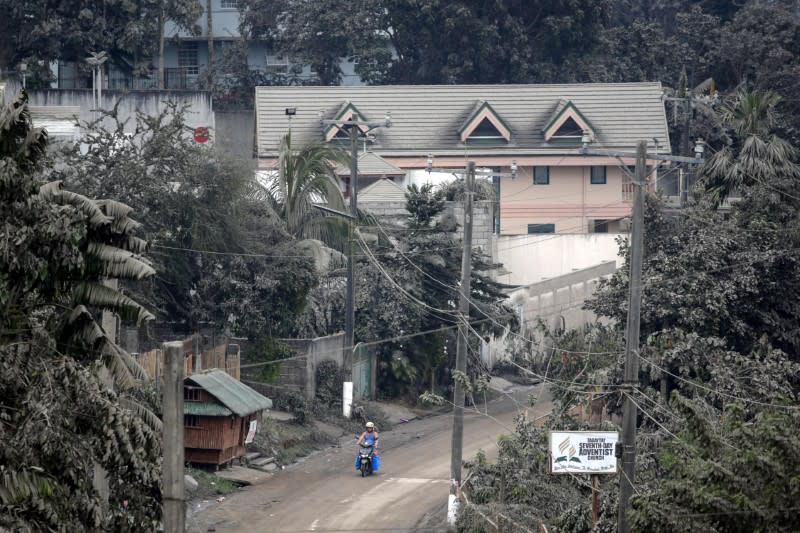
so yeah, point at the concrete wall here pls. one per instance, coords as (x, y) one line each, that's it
(482, 223)
(557, 303)
(531, 258)
(392, 211)
(301, 374)
(200, 110)
(482, 229)
(235, 132)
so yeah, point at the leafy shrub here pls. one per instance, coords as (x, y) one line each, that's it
(269, 349)
(295, 403)
(329, 380)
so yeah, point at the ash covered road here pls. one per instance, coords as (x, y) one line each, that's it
(409, 493)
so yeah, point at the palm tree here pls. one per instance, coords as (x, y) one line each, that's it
(55, 272)
(754, 155)
(109, 249)
(306, 177)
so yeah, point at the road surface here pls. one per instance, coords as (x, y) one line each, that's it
(325, 493)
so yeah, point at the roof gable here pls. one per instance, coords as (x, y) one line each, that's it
(384, 190)
(567, 121)
(371, 164)
(230, 392)
(481, 122)
(346, 112)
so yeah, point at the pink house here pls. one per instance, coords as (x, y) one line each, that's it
(530, 135)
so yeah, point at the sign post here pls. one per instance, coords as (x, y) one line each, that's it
(584, 452)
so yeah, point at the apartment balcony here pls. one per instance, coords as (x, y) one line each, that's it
(178, 78)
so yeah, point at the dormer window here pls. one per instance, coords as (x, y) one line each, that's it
(484, 126)
(567, 125)
(569, 128)
(347, 112)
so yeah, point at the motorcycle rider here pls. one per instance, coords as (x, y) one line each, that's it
(369, 438)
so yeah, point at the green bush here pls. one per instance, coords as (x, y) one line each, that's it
(329, 384)
(269, 349)
(295, 403)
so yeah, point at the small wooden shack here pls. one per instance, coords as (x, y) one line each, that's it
(220, 415)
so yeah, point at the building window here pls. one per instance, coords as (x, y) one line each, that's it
(541, 228)
(187, 57)
(229, 4)
(598, 176)
(191, 421)
(277, 64)
(191, 394)
(601, 226)
(541, 175)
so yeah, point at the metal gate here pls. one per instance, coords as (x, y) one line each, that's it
(362, 373)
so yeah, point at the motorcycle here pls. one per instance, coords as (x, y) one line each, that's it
(366, 459)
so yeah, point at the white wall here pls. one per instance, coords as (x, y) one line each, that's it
(199, 112)
(532, 258)
(419, 177)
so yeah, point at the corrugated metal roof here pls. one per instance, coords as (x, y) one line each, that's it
(205, 409)
(371, 164)
(233, 394)
(60, 122)
(384, 190)
(426, 118)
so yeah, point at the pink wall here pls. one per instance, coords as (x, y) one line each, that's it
(569, 201)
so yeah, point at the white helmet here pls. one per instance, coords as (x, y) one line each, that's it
(370, 425)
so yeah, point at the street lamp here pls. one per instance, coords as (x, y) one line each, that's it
(354, 128)
(96, 60)
(23, 68)
(586, 138)
(699, 148)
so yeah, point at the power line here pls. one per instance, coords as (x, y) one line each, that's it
(713, 391)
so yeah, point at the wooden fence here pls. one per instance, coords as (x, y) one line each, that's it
(226, 357)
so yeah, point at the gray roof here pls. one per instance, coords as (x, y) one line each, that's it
(61, 122)
(232, 393)
(371, 164)
(426, 118)
(384, 190)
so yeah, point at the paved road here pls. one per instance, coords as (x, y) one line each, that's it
(325, 493)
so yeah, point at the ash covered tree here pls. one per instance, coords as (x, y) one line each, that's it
(420, 261)
(60, 419)
(226, 259)
(40, 31)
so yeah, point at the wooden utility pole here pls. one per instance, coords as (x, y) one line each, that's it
(632, 341)
(461, 351)
(350, 307)
(350, 297)
(172, 468)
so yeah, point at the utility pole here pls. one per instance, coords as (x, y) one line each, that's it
(350, 302)
(350, 297)
(631, 379)
(461, 351)
(174, 514)
(354, 127)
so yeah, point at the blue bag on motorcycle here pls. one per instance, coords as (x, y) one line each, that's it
(358, 462)
(376, 463)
